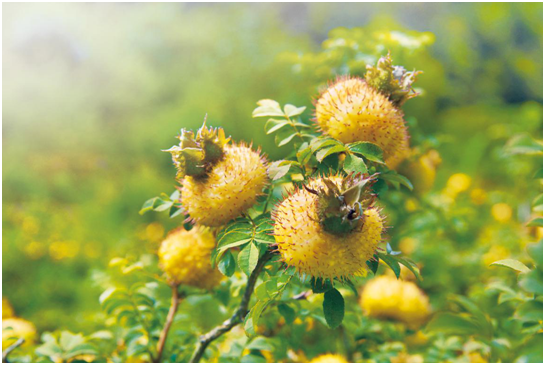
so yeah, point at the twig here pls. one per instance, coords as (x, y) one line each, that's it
(175, 301)
(7, 351)
(237, 317)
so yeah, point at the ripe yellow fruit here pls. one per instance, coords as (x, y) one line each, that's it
(457, 184)
(229, 189)
(304, 243)
(388, 298)
(15, 328)
(7, 309)
(184, 256)
(502, 212)
(352, 111)
(329, 358)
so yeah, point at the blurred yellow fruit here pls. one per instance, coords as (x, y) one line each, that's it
(352, 111)
(408, 245)
(404, 357)
(184, 256)
(15, 328)
(457, 184)
(476, 357)
(502, 212)
(229, 188)
(496, 253)
(329, 358)
(416, 339)
(389, 298)
(423, 171)
(7, 309)
(304, 244)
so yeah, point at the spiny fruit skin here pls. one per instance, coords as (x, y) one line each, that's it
(184, 256)
(329, 358)
(352, 111)
(304, 243)
(15, 328)
(389, 298)
(230, 188)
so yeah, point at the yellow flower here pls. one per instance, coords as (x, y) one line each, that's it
(15, 328)
(389, 298)
(7, 309)
(352, 111)
(457, 184)
(502, 212)
(305, 243)
(184, 256)
(329, 358)
(230, 187)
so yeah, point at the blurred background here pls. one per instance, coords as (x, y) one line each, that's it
(93, 92)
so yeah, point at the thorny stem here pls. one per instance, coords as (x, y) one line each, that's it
(237, 317)
(5, 354)
(175, 301)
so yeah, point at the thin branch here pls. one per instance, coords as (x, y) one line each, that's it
(5, 354)
(175, 301)
(238, 316)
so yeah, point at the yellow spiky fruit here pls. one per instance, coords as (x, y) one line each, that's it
(184, 256)
(352, 111)
(304, 243)
(7, 309)
(389, 298)
(230, 188)
(330, 358)
(15, 328)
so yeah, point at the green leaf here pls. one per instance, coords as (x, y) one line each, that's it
(373, 264)
(531, 311)
(512, 264)
(267, 108)
(369, 150)
(536, 252)
(273, 125)
(227, 264)
(261, 343)
(333, 308)
(411, 266)
(157, 204)
(532, 281)
(323, 153)
(454, 324)
(396, 178)
(287, 312)
(292, 110)
(283, 140)
(353, 163)
(537, 203)
(247, 258)
(321, 142)
(279, 169)
(539, 174)
(536, 222)
(392, 262)
(304, 153)
(523, 144)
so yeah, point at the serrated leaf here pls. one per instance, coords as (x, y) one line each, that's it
(279, 169)
(532, 282)
(267, 108)
(323, 153)
(392, 262)
(369, 150)
(411, 266)
(333, 308)
(511, 264)
(531, 311)
(396, 178)
(304, 154)
(157, 204)
(321, 142)
(247, 258)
